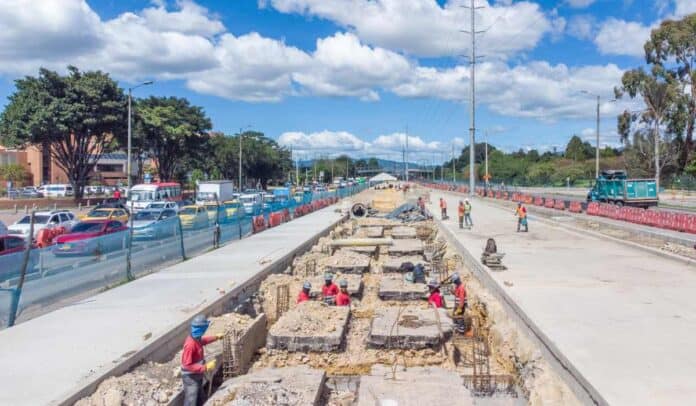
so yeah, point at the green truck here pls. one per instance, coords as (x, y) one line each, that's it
(614, 187)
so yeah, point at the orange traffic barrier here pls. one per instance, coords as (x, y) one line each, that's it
(575, 207)
(548, 203)
(259, 224)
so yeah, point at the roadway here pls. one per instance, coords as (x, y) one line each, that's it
(623, 317)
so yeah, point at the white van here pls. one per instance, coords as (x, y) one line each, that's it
(59, 190)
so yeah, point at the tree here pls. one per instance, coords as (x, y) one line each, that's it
(77, 117)
(578, 150)
(174, 133)
(14, 173)
(373, 163)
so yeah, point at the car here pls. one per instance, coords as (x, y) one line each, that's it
(94, 237)
(30, 192)
(3, 228)
(59, 190)
(13, 193)
(43, 219)
(162, 205)
(9, 244)
(154, 224)
(193, 217)
(231, 208)
(94, 190)
(106, 213)
(212, 210)
(252, 203)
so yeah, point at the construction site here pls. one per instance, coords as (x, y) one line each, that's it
(389, 346)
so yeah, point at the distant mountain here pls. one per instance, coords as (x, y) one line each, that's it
(383, 164)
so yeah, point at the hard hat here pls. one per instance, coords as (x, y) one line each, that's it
(343, 283)
(307, 285)
(455, 277)
(328, 277)
(433, 284)
(200, 321)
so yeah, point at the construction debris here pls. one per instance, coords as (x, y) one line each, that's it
(409, 327)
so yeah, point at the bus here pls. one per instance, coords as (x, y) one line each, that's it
(142, 195)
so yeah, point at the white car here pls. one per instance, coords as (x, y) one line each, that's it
(43, 219)
(162, 205)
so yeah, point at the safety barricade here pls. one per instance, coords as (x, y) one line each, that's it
(286, 215)
(691, 224)
(506, 196)
(559, 204)
(274, 219)
(258, 224)
(528, 199)
(593, 209)
(298, 211)
(538, 201)
(575, 207)
(548, 203)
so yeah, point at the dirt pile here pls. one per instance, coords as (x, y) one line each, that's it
(228, 322)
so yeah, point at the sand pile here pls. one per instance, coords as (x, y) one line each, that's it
(310, 318)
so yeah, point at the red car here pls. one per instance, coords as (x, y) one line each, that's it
(9, 244)
(93, 237)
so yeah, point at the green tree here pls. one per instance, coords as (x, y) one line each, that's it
(16, 173)
(373, 163)
(578, 150)
(77, 117)
(541, 173)
(174, 134)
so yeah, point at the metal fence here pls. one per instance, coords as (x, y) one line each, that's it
(61, 272)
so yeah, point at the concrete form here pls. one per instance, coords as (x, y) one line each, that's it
(370, 250)
(298, 385)
(393, 264)
(403, 232)
(409, 327)
(144, 319)
(306, 329)
(348, 264)
(374, 232)
(354, 284)
(394, 287)
(615, 321)
(406, 247)
(414, 386)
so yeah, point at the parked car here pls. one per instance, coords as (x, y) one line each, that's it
(43, 219)
(9, 244)
(94, 190)
(31, 192)
(94, 237)
(154, 224)
(212, 210)
(3, 228)
(58, 190)
(162, 206)
(106, 213)
(193, 217)
(13, 193)
(252, 203)
(231, 208)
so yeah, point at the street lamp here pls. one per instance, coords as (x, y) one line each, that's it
(241, 131)
(597, 147)
(128, 158)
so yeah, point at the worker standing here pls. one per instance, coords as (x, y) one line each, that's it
(443, 209)
(467, 213)
(304, 293)
(521, 213)
(460, 212)
(459, 295)
(193, 364)
(435, 297)
(329, 290)
(421, 205)
(343, 298)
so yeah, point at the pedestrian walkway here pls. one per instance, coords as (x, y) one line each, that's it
(623, 317)
(49, 358)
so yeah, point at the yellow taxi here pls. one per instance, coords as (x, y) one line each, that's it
(231, 207)
(193, 217)
(212, 209)
(106, 213)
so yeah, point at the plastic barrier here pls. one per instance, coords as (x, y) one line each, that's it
(259, 224)
(548, 203)
(274, 219)
(593, 209)
(575, 207)
(538, 201)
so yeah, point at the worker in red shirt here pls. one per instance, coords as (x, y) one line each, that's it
(117, 193)
(329, 290)
(304, 293)
(459, 295)
(343, 298)
(435, 297)
(193, 364)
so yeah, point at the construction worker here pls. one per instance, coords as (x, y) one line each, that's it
(329, 290)
(443, 209)
(521, 213)
(421, 205)
(459, 292)
(304, 293)
(343, 298)
(193, 364)
(460, 212)
(467, 213)
(435, 297)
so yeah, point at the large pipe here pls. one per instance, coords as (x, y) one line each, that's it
(361, 242)
(358, 210)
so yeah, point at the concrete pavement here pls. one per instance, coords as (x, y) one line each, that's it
(55, 355)
(623, 317)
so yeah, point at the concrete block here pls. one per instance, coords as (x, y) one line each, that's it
(409, 328)
(374, 232)
(348, 261)
(369, 250)
(310, 326)
(393, 264)
(394, 287)
(403, 232)
(412, 387)
(406, 247)
(355, 284)
(298, 385)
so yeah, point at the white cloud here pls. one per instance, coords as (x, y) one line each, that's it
(324, 141)
(684, 7)
(579, 3)
(582, 27)
(424, 28)
(619, 37)
(190, 19)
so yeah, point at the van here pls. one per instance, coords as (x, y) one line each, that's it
(59, 190)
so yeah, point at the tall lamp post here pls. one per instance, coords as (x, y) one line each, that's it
(241, 131)
(597, 145)
(130, 142)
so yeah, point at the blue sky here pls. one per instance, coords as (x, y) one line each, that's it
(332, 76)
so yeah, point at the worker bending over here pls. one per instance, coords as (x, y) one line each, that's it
(329, 290)
(193, 365)
(521, 213)
(435, 297)
(343, 298)
(304, 293)
(467, 213)
(459, 292)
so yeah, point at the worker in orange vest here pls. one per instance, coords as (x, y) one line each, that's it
(521, 213)
(443, 208)
(460, 212)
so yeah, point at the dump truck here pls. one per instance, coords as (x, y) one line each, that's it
(614, 187)
(214, 191)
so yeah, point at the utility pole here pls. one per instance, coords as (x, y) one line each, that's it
(597, 147)
(486, 153)
(472, 88)
(454, 171)
(406, 156)
(403, 162)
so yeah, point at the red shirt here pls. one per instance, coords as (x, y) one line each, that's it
(342, 299)
(435, 299)
(193, 354)
(460, 293)
(302, 297)
(117, 194)
(330, 290)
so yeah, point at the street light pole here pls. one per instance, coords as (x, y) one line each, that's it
(241, 131)
(130, 142)
(597, 132)
(485, 134)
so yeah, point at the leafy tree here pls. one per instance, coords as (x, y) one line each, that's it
(77, 117)
(578, 150)
(541, 173)
(373, 163)
(174, 134)
(16, 173)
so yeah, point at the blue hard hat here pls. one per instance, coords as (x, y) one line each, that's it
(200, 321)
(456, 277)
(328, 277)
(307, 285)
(343, 283)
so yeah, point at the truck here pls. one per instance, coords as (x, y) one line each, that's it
(614, 187)
(214, 191)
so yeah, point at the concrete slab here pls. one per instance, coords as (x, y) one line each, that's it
(621, 317)
(374, 232)
(298, 385)
(115, 327)
(406, 247)
(355, 284)
(393, 287)
(369, 250)
(393, 264)
(414, 386)
(310, 326)
(409, 327)
(347, 262)
(403, 232)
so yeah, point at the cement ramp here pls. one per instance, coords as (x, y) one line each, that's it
(55, 356)
(621, 317)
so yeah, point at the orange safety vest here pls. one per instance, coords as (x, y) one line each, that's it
(443, 204)
(521, 212)
(461, 209)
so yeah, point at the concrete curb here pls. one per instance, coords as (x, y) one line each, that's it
(580, 386)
